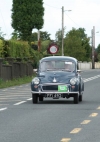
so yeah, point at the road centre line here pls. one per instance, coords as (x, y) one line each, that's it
(76, 130)
(98, 107)
(65, 139)
(20, 103)
(1, 109)
(85, 121)
(93, 115)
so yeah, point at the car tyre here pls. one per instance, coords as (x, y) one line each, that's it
(80, 95)
(40, 98)
(80, 98)
(76, 99)
(34, 98)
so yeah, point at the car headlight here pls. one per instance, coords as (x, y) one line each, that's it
(35, 80)
(73, 81)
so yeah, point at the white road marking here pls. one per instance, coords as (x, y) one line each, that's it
(13, 98)
(20, 103)
(91, 78)
(4, 90)
(9, 101)
(7, 96)
(27, 85)
(13, 88)
(29, 99)
(8, 93)
(1, 109)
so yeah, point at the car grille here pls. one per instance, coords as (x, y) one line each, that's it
(50, 87)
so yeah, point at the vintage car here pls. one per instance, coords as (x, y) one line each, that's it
(57, 77)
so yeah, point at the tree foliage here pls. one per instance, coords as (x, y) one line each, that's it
(58, 37)
(1, 35)
(98, 49)
(26, 16)
(44, 35)
(76, 44)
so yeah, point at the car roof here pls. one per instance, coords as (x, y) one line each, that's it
(49, 58)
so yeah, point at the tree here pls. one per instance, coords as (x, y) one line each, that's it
(34, 36)
(76, 44)
(1, 35)
(44, 35)
(27, 15)
(58, 37)
(15, 35)
(98, 52)
(98, 49)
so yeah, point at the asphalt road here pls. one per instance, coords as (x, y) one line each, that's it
(52, 120)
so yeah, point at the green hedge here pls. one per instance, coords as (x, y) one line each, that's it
(19, 49)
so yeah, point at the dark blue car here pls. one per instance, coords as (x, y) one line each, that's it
(57, 77)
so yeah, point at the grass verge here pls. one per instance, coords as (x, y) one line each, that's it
(15, 82)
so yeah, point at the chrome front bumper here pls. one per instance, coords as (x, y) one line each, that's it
(54, 92)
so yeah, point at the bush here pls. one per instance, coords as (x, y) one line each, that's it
(1, 48)
(19, 49)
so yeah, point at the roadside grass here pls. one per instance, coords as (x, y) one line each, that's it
(16, 81)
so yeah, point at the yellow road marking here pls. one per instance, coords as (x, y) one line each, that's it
(93, 115)
(85, 122)
(98, 107)
(76, 130)
(65, 139)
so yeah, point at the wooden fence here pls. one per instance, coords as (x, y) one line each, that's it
(15, 69)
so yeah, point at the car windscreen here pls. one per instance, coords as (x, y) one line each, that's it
(65, 65)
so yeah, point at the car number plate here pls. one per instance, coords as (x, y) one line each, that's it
(53, 95)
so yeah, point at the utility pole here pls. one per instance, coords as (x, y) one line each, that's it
(93, 46)
(62, 31)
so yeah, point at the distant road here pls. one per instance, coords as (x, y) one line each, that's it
(52, 120)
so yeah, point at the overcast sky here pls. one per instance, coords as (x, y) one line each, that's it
(84, 14)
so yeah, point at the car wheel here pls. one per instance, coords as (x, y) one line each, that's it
(34, 98)
(80, 98)
(80, 95)
(40, 98)
(76, 99)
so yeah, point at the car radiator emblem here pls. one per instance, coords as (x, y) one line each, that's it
(54, 80)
